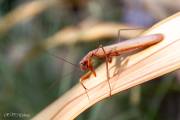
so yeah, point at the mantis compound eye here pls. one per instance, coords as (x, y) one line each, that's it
(84, 65)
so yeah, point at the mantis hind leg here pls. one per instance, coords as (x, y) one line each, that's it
(124, 29)
(107, 68)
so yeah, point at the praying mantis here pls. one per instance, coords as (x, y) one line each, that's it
(107, 52)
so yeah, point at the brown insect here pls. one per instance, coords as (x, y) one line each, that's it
(117, 49)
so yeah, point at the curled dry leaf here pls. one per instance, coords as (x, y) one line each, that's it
(94, 32)
(138, 68)
(24, 12)
(74, 34)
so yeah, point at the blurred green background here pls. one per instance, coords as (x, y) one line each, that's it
(31, 77)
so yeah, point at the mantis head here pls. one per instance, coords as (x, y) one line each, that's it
(84, 65)
(87, 65)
